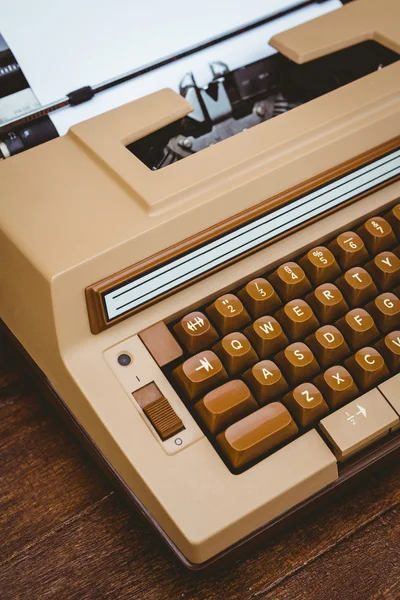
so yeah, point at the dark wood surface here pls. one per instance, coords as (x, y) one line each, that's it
(66, 534)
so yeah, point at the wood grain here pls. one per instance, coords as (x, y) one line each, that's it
(65, 534)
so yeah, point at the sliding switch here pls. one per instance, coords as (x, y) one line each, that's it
(158, 411)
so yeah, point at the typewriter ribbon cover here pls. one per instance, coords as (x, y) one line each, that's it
(133, 289)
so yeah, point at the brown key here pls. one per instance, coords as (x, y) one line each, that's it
(337, 386)
(297, 319)
(236, 353)
(265, 381)
(259, 297)
(306, 404)
(158, 411)
(367, 367)
(225, 405)
(385, 310)
(297, 363)
(329, 345)
(377, 235)
(320, 265)
(393, 217)
(267, 336)
(389, 347)
(228, 313)
(357, 286)
(358, 328)
(290, 281)
(195, 332)
(199, 374)
(385, 270)
(257, 434)
(349, 249)
(327, 302)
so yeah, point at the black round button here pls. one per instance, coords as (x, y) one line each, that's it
(124, 360)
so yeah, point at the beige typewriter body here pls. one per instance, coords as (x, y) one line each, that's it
(81, 208)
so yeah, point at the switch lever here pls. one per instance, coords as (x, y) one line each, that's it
(158, 411)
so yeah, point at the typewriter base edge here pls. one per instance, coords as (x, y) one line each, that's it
(363, 465)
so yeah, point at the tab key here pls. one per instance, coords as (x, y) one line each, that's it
(199, 374)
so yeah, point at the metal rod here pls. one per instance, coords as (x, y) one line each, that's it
(105, 85)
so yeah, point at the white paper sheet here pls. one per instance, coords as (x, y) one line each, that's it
(64, 46)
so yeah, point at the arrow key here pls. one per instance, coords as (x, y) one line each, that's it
(359, 424)
(199, 374)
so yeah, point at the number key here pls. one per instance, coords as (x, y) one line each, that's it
(228, 313)
(320, 265)
(259, 297)
(377, 235)
(349, 249)
(290, 281)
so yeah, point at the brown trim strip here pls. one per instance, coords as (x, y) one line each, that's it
(95, 293)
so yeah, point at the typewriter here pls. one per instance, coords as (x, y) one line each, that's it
(207, 284)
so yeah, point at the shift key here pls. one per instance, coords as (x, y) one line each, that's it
(359, 424)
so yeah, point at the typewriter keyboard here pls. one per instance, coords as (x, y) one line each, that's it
(297, 348)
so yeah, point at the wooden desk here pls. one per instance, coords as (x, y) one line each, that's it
(65, 534)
